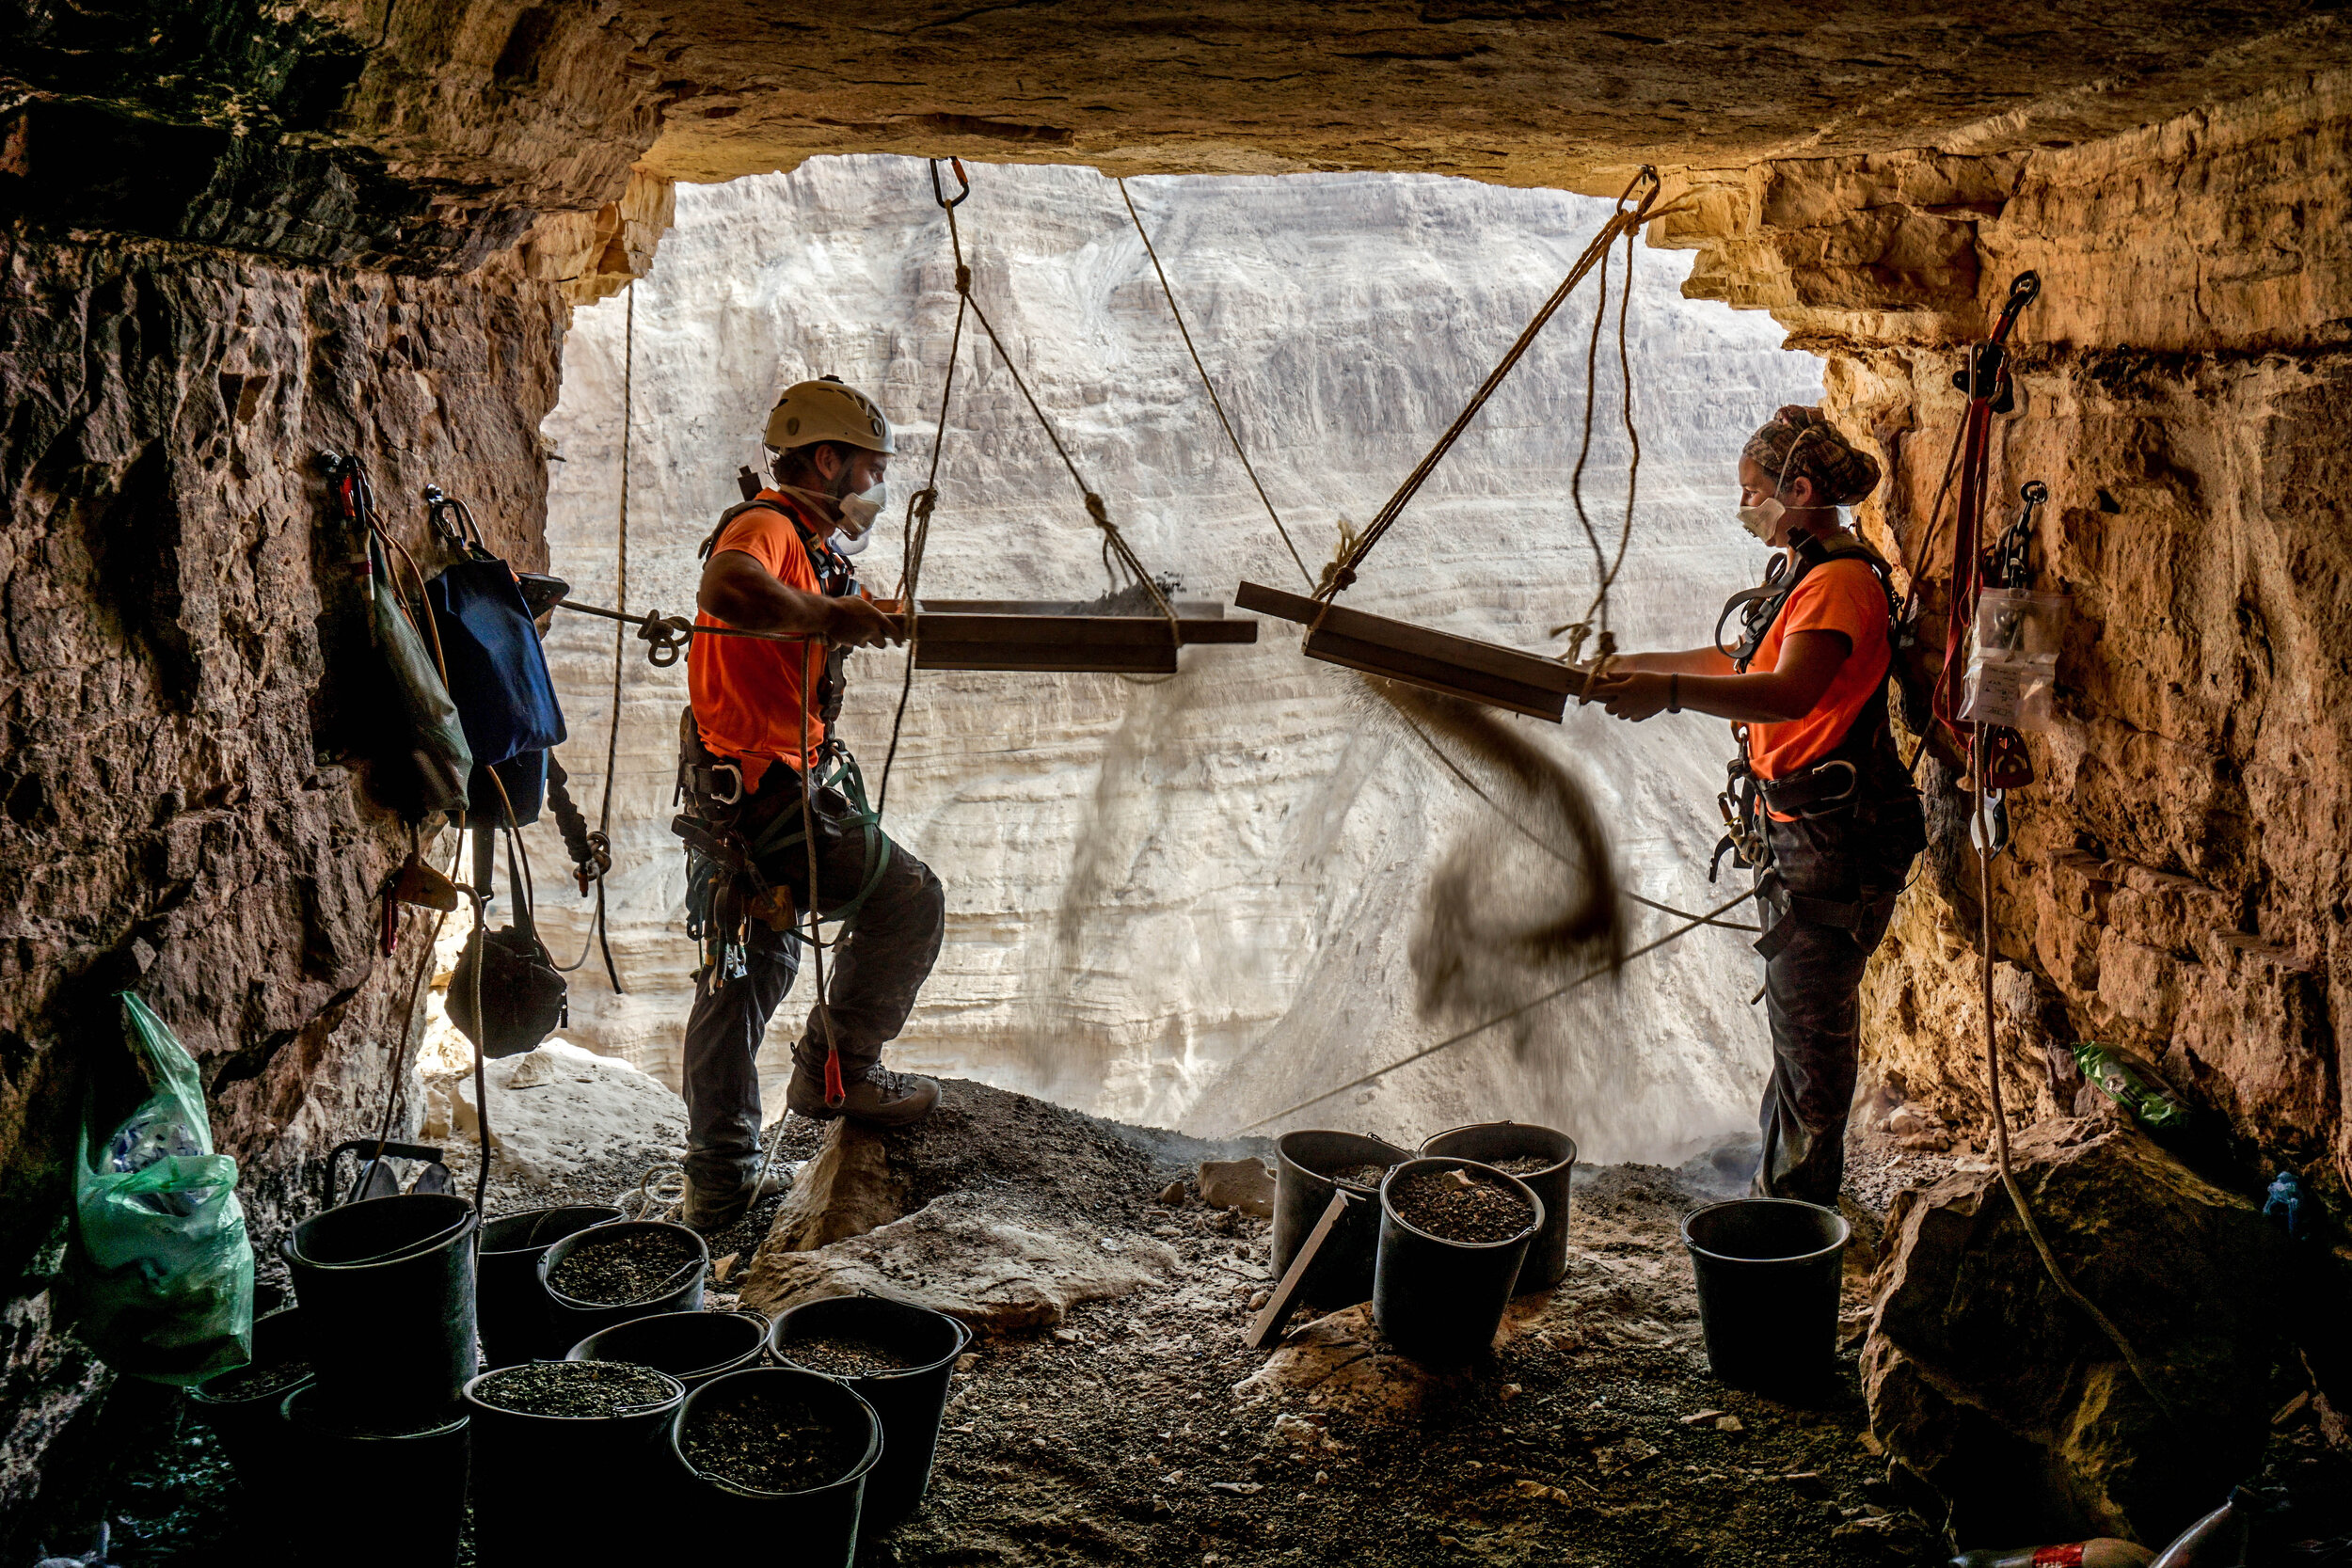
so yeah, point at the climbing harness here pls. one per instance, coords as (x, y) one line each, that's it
(1838, 780)
(1439, 661)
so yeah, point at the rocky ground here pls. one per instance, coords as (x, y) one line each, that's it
(1116, 1415)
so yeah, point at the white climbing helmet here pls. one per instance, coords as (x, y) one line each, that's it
(828, 409)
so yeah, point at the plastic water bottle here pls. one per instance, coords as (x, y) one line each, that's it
(156, 1135)
(2157, 1109)
(2104, 1551)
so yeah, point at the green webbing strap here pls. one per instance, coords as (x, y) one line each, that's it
(783, 832)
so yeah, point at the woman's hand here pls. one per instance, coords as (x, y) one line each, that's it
(1628, 694)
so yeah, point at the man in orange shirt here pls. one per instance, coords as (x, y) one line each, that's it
(1822, 805)
(761, 734)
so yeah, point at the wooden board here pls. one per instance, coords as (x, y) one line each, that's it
(1435, 660)
(1041, 636)
(1266, 1328)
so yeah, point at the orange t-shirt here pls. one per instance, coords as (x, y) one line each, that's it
(1839, 595)
(747, 690)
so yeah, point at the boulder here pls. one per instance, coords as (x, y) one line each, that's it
(1988, 1387)
(558, 1112)
(845, 1190)
(994, 1266)
(1244, 1184)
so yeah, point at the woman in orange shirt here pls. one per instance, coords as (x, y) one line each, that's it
(1821, 806)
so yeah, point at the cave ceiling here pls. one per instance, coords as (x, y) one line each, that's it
(422, 135)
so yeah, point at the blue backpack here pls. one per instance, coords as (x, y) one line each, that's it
(497, 674)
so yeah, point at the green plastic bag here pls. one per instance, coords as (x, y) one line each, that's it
(159, 1279)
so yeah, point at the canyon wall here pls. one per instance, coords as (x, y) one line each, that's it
(1189, 904)
(2179, 883)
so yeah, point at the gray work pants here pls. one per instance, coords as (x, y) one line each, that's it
(873, 976)
(1825, 900)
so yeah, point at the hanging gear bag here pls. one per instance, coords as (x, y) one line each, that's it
(498, 673)
(523, 996)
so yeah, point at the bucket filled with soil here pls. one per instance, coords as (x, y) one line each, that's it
(1453, 1236)
(1543, 1159)
(609, 1273)
(1310, 1165)
(550, 1440)
(900, 1357)
(242, 1406)
(693, 1347)
(387, 1288)
(510, 1305)
(373, 1490)
(777, 1454)
(1768, 1271)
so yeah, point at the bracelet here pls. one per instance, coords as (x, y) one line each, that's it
(1674, 693)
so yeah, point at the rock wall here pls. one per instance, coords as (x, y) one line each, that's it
(184, 806)
(2178, 885)
(1187, 905)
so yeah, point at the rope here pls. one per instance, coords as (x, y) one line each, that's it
(1341, 574)
(1112, 540)
(1215, 401)
(620, 628)
(1477, 1029)
(2000, 1137)
(1606, 571)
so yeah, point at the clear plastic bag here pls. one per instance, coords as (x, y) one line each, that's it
(2013, 648)
(159, 1280)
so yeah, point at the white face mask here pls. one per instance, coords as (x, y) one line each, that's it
(859, 509)
(1762, 519)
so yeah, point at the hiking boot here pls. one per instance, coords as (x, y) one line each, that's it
(714, 1209)
(881, 1098)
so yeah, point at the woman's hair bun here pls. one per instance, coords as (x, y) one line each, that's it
(1800, 442)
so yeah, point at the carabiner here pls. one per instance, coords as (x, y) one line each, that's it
(940, 195)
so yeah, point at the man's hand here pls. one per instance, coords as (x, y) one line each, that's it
(855, 623)
(1631, 694)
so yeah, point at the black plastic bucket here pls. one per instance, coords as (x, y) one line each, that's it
(738, 1522)
(693, 1347)
(542, 1486)
(250, 1430)
(1769, 1271)
(574, 1321)
(387, 1286)
(1493, 1142)
(376, 1494)
(1441, 1301)
(515, 1316)
(1341, 1275)
(910, 1401)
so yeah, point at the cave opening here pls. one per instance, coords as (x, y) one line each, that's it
(240, 237)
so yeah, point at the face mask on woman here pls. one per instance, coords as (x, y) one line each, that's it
(1764, 517)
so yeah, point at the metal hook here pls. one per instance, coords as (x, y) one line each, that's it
(2023, 290)
(940, 195)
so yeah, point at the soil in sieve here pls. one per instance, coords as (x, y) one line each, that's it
(1367, 1174)
(583, 1389)
(771, 1442)
(1460, 1206)
(632, 1267)
(1523, 1164)
(846, 1354)
(253, 1383)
